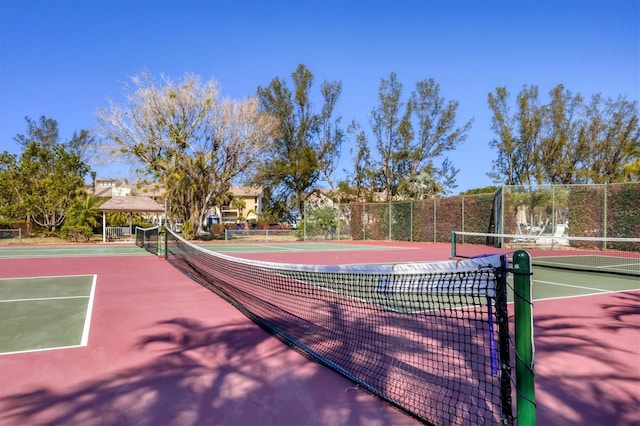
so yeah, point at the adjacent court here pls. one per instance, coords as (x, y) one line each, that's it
(157, 347)
(41, 313)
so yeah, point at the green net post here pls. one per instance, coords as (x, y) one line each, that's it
(525, 374)
(453, 244)
(166, 239)
(162, 237)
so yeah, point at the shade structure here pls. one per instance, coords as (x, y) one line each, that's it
(128, 204)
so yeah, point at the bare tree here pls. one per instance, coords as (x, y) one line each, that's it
(186, 136)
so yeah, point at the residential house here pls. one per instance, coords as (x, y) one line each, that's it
(246, 204)
(102, 187)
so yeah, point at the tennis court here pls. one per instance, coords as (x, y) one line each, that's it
(162, 349)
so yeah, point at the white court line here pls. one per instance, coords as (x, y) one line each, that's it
(571, 285)
(282, 248)
(599, 267)
(41, 350)
(87, 317)
(37, 299)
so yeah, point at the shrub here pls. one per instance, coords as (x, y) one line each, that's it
(188, 230)
(76, 233)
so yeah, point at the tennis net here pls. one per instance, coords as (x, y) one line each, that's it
(430, 338)
(148, 238)
(619, 256)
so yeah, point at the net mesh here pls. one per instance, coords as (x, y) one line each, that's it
(430, 338)
(148, 238)
(600, 255)
(262, 235)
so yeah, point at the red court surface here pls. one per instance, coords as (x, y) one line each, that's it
(588, 360)
(164, 351)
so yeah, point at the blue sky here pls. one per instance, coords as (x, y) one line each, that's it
(63, 59)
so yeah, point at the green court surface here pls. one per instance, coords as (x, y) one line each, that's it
(557, 283)
(45, 312)
(294, 247)
(34, 251)
(625, 263)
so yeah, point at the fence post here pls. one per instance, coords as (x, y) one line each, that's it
(462, 219)
(604, 221)
(389, 219)
(411, 221)
(435, 221)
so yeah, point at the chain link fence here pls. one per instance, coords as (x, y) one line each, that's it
(608, 211)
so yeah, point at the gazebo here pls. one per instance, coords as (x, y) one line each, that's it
(127, 204)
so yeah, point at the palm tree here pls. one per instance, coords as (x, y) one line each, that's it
(84, 212)
(239, 204)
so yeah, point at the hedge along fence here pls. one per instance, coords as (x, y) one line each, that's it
(611, 210)
(607, 210)
(420, 220)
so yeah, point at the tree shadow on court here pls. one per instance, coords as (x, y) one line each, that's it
(626, 306)
(414, 359)
(587, 361)
(198, 374)
(420, 357)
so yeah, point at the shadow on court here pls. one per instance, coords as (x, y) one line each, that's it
(204, 375)
(588, 371)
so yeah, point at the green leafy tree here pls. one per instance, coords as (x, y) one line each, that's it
(84, 211)
(48, 175)
(565, 141)
(409, 140)
(306, 144)
(436, 134)
(239, 204)
(484, 190)
(391, 126)
(363, 183)
(561, 150)
(82, 217)
(612, 130)
(517, 133)
(10, 196)
(118, 218)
